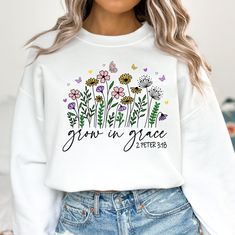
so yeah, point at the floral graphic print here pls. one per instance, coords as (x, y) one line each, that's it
(107, 102)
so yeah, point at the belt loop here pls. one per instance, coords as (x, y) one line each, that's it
(138, 205)
(96, 203)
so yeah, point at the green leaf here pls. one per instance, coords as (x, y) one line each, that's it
(133, 123)
(71, 114)
(111, 119)
(133, 117)
(100, 113)
(111, 85)
(82, 121)
(110, 101)
(72, 118)
(120, 119)
(115, 104)
(153, 114)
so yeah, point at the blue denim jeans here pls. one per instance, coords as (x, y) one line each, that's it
(134, 212)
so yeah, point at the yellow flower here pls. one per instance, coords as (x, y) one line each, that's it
(125, 78)
(136, 90)
(92, 82)
(127, 100)
(98, 98)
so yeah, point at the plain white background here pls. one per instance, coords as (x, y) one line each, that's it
(212, 26)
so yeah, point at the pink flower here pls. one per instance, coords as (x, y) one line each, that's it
(74, 94)
(117, 91)
(103, 76)
(231, 128)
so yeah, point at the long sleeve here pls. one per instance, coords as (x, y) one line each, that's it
(208, 157)
(36, 207)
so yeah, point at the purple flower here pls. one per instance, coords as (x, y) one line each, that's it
(121, 108)
(100, 89)
(71, 105)
(162, 117)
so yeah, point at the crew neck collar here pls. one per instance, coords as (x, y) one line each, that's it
(115, 40)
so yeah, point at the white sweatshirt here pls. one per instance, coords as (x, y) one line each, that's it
(116, 113)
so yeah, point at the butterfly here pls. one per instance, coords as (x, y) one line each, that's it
(65, 100)
(162, 117)
(103, 65)
(90, 71)
(78, 80)
(112, 67)
(145, 69)
(121, 108)
(166, 101)
(162, 78)
(133, 66)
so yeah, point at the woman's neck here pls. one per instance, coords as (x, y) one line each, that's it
(101, 21)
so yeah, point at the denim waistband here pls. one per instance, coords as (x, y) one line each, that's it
(115, 199)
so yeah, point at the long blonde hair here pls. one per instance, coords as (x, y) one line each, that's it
(168, 17)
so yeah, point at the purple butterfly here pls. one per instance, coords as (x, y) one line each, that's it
(162, 78)
(121, 108)
(78, 80)
(112, 67)
(162, 117)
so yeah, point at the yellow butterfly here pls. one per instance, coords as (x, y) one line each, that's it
(90, 71)
(133, 66)
(166, 101)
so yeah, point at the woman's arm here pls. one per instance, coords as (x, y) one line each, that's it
(36, 207)
(208, 157)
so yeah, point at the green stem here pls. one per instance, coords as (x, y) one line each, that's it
(115, 115)
(127, 113)
(147, 117)
(150, 108)
(157, 119)
(78, 107)
(131, 109)
(95, 118)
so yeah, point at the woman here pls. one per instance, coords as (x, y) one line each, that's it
(117, 129)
